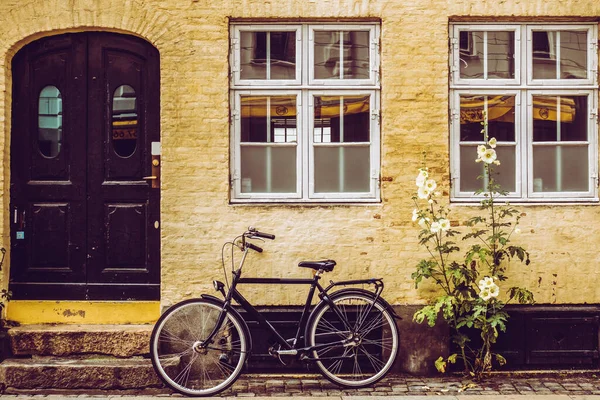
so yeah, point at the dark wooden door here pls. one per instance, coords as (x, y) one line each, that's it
(84, 222)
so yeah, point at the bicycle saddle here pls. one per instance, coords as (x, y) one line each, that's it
(325, 265)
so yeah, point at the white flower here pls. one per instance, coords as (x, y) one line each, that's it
(430, 185)
(422, 177)
(517, 230)
(481, 150)
(423, 222)
(423, 192)
(486, 283)
(494, 290)
(497, 162)
(492, 142)
(444, 224)
(489, 156)
(435, 227)
(485, 294)
(415, 215)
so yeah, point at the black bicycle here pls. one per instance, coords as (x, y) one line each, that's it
(199, 346)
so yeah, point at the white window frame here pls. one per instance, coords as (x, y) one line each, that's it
(457, 143)
(236, 122)
(373, 145)
(455, 58)
(592, 55)
(592, 144)
(235, 60)
(305, 87)
(373, 57)
(525, 87)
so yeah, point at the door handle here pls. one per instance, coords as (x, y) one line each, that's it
(150, 177)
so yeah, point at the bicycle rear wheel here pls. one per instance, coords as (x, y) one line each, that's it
(180, 360)
(369, 346)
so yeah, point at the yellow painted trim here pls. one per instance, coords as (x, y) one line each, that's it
(82, 312)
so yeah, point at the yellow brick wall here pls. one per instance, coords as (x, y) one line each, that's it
(367, 240)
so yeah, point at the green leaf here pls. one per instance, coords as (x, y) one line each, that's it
(501, 360)
(440, 364)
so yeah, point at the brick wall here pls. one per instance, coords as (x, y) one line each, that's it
(366, 240)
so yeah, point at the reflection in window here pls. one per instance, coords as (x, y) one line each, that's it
(341, 139)
(559, 54)
(487, 54)
(268, 55)
(124, 121)
(268, 144)
(50, 121)
(341, 55)
(497, 113)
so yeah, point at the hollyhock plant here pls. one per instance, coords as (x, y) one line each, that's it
(470, 297)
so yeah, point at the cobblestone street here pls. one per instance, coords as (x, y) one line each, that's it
(290, 385)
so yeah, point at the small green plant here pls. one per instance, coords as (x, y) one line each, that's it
(470, 282)
(5, 295)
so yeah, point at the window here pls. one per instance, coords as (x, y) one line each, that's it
(305, 119)
(534, 88)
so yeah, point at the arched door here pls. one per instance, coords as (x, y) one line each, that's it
(84, 222)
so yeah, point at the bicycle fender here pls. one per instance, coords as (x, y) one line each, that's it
(219, 302)
(365, 292)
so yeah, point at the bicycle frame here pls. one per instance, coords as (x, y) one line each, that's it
(289, 348)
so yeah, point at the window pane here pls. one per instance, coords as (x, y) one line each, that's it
(500, 54)
(560, 118)
(504, 174)
(50, 121)
(560, 168)
(268, 169)
(268, 55)
(268, 119)
(342, 119)
(569, 48)
(124, 121)
(342, 169)
(352, 62)
(500, 114)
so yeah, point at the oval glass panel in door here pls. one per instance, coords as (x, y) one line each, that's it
(124, 121)
(50, 121)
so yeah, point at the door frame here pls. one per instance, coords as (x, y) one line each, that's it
(103, 289)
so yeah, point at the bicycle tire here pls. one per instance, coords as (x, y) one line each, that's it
(375, 339)
(178, 360)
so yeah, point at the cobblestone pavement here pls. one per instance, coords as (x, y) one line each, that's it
(290, 385)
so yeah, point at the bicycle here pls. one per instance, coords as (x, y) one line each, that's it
(199, 346)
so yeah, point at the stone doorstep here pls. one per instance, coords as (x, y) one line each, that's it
(64, 340)
(79, 372)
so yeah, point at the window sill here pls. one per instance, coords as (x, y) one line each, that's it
(477, 203)
(306, 203)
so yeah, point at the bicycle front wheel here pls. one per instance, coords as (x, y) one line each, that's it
(359, 351)
(184, 361)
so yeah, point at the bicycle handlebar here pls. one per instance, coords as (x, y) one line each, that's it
(253, 232)
(254, 247)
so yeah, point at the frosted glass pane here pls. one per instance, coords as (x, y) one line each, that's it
(268, 169)
(351, 63)
(342, 169)
(560, 169)
(504, 174)
(275, 50)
